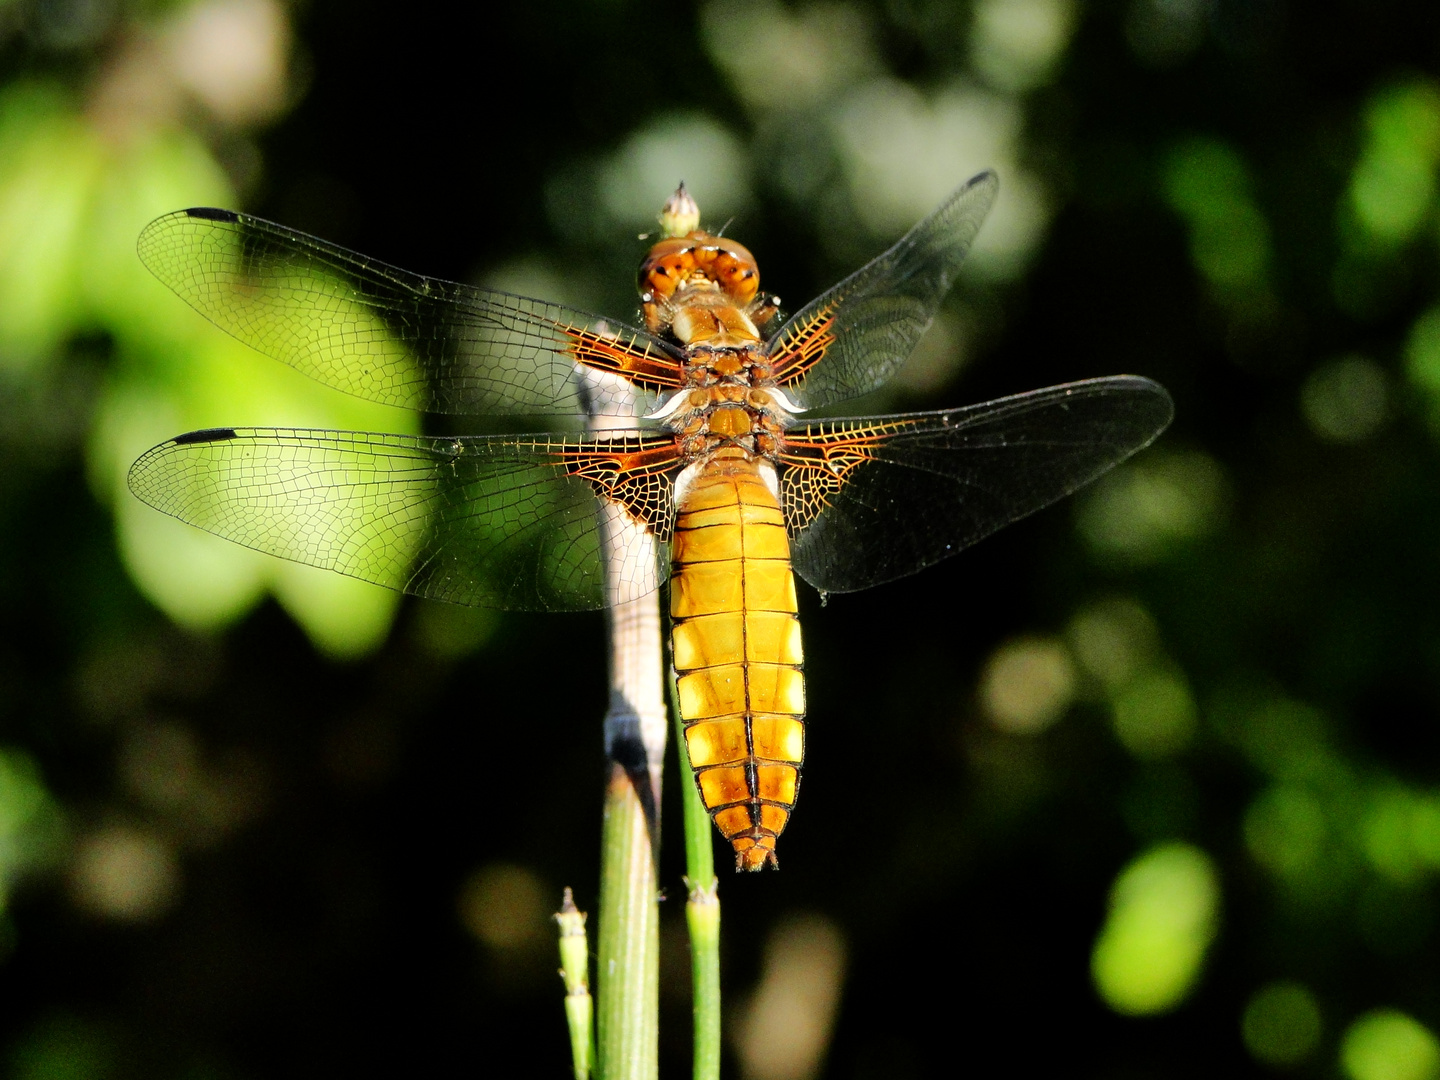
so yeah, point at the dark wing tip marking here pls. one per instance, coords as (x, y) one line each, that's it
(205, 435)
(211, 213)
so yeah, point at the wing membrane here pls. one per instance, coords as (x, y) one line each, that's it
(484, 521)
(851, 339)
(391, 336)
(873, 499)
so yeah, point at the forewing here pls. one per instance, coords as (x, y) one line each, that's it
(852, 338)
(876, 498)
(484, 521)
(391, 336)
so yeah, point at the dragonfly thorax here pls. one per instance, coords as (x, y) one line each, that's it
(726, 415)
(729, 401)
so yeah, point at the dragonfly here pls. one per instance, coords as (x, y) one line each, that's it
(693, 463)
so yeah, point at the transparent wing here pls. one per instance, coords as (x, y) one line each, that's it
(395, 337)
(873, 499)
(851, 339)
(484, 521)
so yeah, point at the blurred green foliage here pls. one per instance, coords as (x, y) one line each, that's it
(1208, 184)
(73, 198)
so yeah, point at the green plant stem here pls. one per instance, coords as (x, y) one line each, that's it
(702, 914)
(575, 971)
(628, 964)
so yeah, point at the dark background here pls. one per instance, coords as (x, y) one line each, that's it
(310, 911)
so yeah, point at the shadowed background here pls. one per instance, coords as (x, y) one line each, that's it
(1146, 785)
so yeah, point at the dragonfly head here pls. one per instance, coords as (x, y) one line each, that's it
(696, 261)
(689, 259)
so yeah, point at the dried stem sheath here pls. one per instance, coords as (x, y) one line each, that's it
(628, 974)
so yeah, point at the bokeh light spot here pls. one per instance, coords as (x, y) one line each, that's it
(163, 765)
(1345, 400)
(1388, 834)
(160, 763)
(1114, 640)
(1425, 829)
(1285, 738)
(1165, 32)
(1154, 714)
(1285, 830)
(199, 580)
(1208, 184)
(72, 24)
(1145, 509)
(1386, 1044)
(1422, 351)
(208, 379)
(450, 631)
(694, 148)
(1422, 361)
(1016, 44)
(30, 823)
(344, 618)
(788, 60)
(232, 55)
(124, 872)
(1281, 1025)
(1163, 915)
(1027, 685)
(1393, 186)
(786, 1026)
(49, 166)
(505, 906)
(903, 152)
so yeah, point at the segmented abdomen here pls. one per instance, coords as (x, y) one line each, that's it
(737, 654)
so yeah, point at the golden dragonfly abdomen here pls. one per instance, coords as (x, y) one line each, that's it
(737, 653)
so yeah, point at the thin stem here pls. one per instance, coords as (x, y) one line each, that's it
(575, 970)
(702, 914)
(629, 949)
